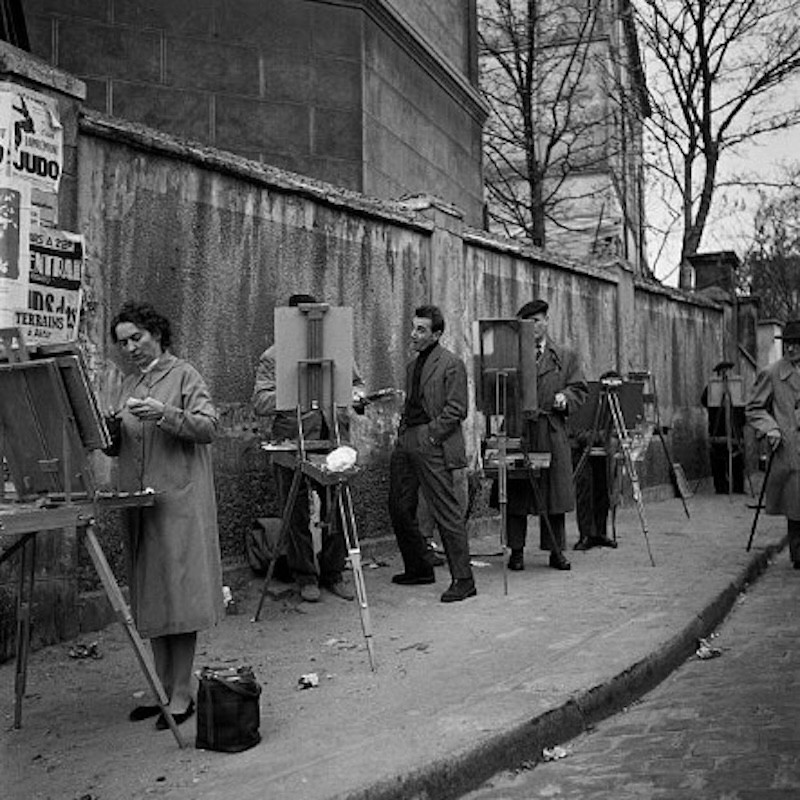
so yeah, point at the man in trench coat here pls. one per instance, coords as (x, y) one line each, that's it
(774, 411)
(560, 388)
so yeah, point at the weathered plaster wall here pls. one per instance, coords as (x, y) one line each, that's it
(217, 243)
(679, 340)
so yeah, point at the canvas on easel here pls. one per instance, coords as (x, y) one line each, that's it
(327, 332)
(507, 373)
(49, 418)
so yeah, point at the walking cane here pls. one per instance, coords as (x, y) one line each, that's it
(761, 499)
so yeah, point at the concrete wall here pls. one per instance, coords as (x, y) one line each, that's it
(292, 83)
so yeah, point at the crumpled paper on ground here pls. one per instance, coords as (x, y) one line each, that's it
(705, 650)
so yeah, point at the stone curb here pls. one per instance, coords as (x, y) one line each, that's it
(464, 771)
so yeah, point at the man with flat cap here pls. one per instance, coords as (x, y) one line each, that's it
(560, 389)
(774, 411)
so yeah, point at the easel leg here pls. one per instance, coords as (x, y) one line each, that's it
(502, 496)
(624, 443)
(24, 621)
(123, 613)
(286, 519)
(343, 501)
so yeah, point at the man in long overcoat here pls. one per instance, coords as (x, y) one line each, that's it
(774, 411)
(560, 389)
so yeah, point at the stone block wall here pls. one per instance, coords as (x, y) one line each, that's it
(291, 83)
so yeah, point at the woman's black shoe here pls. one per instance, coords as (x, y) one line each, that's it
(558, 561)
(162, 724)
(515, 561)
(144, 712)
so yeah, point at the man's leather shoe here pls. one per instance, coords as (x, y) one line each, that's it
(584, 544)
(558, 561)
(407, 579)
(340, 588)
(309, 592)
(459, 589)
(796, 564)
(515, 561)
(604, 541)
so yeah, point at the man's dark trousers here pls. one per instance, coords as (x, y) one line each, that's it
(300, 543)
(592, 502)
(415, 464)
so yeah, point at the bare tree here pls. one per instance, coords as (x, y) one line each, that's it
(546, 123)
(717, 78)
(771, 268)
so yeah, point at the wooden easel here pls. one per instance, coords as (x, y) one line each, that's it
(316, 389)
(45, 427)
(731, 435)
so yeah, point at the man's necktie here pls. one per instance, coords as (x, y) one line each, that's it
(539, 351)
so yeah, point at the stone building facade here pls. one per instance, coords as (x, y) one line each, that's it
(378, 96)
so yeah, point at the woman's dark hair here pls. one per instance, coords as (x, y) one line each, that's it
(143, 315)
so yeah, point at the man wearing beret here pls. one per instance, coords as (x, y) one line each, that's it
(560, 389)
(774, 411)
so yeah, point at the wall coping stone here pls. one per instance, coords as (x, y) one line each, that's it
(673, 293)
(147, 139)
(535, 254)
(32, 69)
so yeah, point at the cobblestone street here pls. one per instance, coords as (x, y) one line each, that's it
(726, 727)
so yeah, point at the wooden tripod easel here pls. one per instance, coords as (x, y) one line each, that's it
(608, 416)
(43, 444)
(732, 435)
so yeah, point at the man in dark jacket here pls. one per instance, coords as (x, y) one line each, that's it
(560, 388)
(430, 445)
(774, 411)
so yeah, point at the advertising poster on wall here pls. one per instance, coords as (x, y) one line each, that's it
(31, 137)
(53, 307)
(15, 202)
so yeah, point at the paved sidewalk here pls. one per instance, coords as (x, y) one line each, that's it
(461, 689)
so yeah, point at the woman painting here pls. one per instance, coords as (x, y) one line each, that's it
(162, 428)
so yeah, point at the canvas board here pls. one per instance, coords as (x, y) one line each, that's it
(333, 364)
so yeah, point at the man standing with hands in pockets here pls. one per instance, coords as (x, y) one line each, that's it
(430, 446)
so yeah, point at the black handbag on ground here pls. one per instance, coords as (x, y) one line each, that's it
(228, 713)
